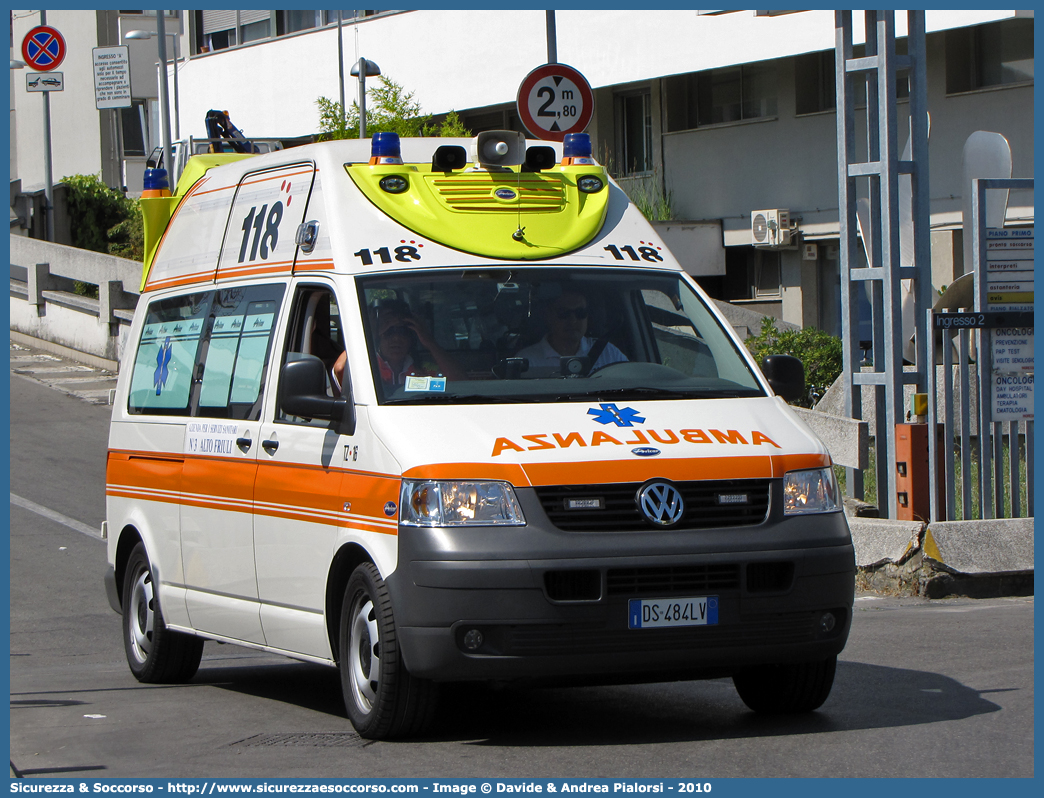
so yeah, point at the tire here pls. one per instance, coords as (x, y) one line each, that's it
(155, 654)
(382, 699)
(789, 689)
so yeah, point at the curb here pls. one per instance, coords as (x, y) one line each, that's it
(977, 559)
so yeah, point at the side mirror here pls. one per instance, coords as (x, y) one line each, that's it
(302, 392)
(786, 376)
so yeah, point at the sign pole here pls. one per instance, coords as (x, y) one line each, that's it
(161, 29)
(552, 38)
(49, 181)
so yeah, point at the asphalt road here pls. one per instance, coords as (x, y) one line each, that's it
(924, 689)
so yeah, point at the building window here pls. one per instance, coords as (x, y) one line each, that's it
(634, 133)
(998, 54)
(222, 29)
(768, 275)
(218, 30)
(732, 94)
(752, 273)
(815, 87)
(134, 128)
(814, 83)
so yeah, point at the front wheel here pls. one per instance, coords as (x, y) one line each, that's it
(789, 689)
(382, 698)
(155, 654)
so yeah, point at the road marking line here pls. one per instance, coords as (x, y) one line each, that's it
(57, 517)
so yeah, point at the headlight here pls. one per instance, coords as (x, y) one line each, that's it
(446, 503)
(394, 184)
(812, 491)
(589, 184)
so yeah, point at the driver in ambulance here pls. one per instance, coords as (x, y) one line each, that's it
(566, 319)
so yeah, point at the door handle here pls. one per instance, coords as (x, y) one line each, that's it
(270, 446)
(244, 444)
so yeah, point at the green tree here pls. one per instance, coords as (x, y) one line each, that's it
(390, 109)
(819, 351)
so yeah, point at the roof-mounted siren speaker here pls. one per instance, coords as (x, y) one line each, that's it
(499, 148)
(770, 228)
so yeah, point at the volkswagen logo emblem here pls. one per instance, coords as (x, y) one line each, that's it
(661, 503)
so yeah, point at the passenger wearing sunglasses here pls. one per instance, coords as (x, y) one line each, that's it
(566, 319)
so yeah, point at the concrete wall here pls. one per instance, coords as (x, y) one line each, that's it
(44, 305)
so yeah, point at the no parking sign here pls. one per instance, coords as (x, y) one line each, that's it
(43, 48)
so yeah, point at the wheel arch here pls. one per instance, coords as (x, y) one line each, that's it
(349, 557)
(128, 539)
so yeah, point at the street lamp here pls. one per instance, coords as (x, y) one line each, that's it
(362, 70)
(147, 34)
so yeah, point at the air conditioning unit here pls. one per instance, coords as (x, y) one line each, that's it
(770, 228)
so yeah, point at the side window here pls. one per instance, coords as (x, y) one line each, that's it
(236, 351)
(161, 382)
(679, 342)
(315, 329)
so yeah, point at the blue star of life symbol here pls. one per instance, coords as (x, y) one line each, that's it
(159, 379)
(611, 414)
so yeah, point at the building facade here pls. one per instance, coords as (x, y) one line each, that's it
(707, 115)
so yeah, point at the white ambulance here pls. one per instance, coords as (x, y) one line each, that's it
(438, 410)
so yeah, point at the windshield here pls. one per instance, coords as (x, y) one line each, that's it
(530, 334)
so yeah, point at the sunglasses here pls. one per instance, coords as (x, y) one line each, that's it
(577, 313)
(399, 329)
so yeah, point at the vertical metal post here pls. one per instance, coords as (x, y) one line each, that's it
(984, 360)
(966, 471)
(48, 178)
(918, 77)
(1029, 469)
(362, 98)
(340, 64)
(948, 462)
(852, 405)
(161, 29)
(1013, 467)
(936, 513)
(177, 94)
(552, 38)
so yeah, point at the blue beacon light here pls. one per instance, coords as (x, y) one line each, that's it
(576, 150)
(385, 149)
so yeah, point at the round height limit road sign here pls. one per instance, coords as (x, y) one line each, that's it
(43, 48)
(554, 100)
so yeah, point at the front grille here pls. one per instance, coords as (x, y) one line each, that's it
(689, 579)
(617, 511)
(769, 577)
(473, 191)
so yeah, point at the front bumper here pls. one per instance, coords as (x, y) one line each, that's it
(555, 604)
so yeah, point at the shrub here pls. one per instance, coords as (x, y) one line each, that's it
(103, 219)
(819, 351)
